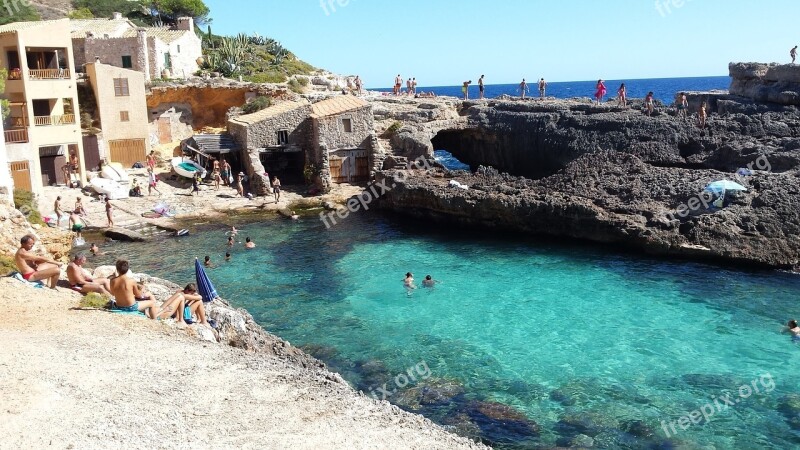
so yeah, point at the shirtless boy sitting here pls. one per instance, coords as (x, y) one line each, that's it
(34, 267)
(128, 294)
(83, 283)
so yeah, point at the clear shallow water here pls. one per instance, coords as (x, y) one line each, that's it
(664, 89)
(576, 337)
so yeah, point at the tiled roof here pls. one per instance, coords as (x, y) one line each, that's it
(19, 26)
(336, 105)
(100, 27)
(165, 34)
(121, 28)
(270, 112)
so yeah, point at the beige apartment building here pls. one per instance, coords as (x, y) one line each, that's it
(122, 110)
(44, 127)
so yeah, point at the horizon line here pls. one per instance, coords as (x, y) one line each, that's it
(572, 81)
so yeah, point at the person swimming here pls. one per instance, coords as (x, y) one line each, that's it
(230, 241)
(227, 256)
(408, 281)
(429, 281)
(249, 243)
(233, 231)
(793, 329)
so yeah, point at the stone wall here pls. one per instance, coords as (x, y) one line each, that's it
(111, 51)
(772, 83)
(265, 133)
(329, 130)
(179, 116)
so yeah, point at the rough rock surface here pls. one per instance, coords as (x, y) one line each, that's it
(774, 83)
(607, 174)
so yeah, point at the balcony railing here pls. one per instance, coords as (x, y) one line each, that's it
(48, 74)
(66, 119)
(16, 136)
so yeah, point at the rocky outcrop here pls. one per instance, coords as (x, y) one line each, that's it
(772, 83)
(124, 234)
(618, 198)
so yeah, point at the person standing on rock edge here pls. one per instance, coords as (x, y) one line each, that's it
(151, 159)
(359, 84)
(600, 92)
(465, 89)
(57, 208)
(542, 88)
(414, 86)
(648, 103)
(398, 83)
(793, 53)
(701, 116)
(480, 87)
(276, 189)
(523, 88)
(622, 96)
(683, 104)
(109, 213)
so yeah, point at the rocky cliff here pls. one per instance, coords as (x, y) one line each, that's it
(773, 83)
(606, 174)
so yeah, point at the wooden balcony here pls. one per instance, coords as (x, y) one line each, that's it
(66, 119)
(16, 136)
(49, 74)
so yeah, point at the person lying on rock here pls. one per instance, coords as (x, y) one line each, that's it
(34, 267)
(128, 294)
(81, 282)
(183, 305)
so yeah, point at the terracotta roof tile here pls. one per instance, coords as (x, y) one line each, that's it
(268, 113)
(337, 105)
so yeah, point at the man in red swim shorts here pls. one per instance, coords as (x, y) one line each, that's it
(34, 267)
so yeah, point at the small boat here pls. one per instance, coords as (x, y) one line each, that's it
(114, 171)
(187, 168)
(109, 188)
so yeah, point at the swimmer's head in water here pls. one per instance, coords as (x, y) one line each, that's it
(792, 324)
(247, 239)
(408, 275)
(208, 258)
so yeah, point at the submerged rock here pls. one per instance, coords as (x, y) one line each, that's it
(500, 423)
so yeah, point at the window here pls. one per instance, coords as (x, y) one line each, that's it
(127, 63)
(124, 116)
(179, 49)
(121, 87)
(347, 125)
(283, 137)
(167, 61)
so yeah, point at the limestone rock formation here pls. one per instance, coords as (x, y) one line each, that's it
(774, 83)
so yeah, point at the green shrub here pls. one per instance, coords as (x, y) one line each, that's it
(94, 300)
(23, 201)
(265, 77)
(257, 104)
(295, 86)
(7, 265)
(393, 129)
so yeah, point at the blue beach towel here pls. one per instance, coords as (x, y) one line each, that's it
(18, 276)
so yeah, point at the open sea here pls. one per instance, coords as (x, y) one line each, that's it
(664, 89)
(631, 351)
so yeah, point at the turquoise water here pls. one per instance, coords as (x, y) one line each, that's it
(578, 338)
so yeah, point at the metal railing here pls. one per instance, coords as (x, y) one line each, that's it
(48, 74)
(65, 119)
(16, 136)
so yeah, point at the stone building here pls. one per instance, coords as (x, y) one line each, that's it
(158, 52)
(329, 141)
(42, 129)
(122, 110)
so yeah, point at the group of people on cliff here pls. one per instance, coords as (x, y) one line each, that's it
(126, 294)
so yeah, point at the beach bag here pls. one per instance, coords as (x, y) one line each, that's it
(230, 179)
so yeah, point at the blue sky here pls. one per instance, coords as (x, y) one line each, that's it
(444, 42)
